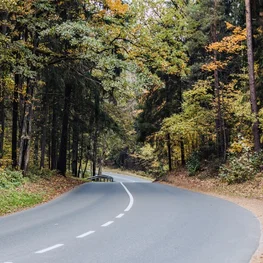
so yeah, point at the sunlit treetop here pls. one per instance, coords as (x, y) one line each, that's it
(7, 4)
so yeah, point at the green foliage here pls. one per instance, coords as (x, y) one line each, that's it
(10, 179)
(34, 173)
(193, 163)
(241, 168)
(12, 200)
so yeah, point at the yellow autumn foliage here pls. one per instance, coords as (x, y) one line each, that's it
(117, 7)
(230, 44)
(241, 145)
(215, 65)
(7, 4)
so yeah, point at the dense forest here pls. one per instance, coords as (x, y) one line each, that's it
(163, 83)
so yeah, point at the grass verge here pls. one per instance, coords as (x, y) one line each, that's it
(33, 193)
(12, 200)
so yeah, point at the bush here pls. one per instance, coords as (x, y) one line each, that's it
(10, 179)
(35, 172)
(241, 168)
(193, 163)
(11, 201)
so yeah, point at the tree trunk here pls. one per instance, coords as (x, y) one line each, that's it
(17, 87)
(69, 153)
(3, 17)
(169, 152)
(81, 155)
(96, 131)
(182, 152)
(2, 119)
(86, 166)
(95, 145)
(44, 127)
(54, 136)
(26, 128)
(36, 150)
(252, 87)
(75, 146)
(218, 121)
(62, 159)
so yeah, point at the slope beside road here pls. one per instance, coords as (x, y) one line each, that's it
(130, 221)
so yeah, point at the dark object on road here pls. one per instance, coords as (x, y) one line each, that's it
(101, 178)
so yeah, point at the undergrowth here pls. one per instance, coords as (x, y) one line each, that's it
(13, 200)
(12, 194)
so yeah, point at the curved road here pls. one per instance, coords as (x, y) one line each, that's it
(130, 221)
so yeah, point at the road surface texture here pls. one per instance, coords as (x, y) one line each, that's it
(130, 221)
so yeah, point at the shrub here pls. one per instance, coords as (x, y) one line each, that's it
(241, 168)
(34, 173)
(193, 163)
(10, 179)
(11, 201)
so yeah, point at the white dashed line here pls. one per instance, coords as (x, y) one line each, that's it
(8, 262)
(48, 249)
(107, 224)
(120, 216)
(131, 198)
(85, 234)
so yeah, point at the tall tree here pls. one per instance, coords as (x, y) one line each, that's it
(252, 87)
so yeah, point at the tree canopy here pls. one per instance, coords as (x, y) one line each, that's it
(84, 81)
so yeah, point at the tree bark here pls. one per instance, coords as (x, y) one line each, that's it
(96, 130)
(44, 127)
(54, 136)
(26, 128)
(218, 121)
(3, 17)
(182, 152)
(75, 146)
(17, 87)
(2, 119)
(252, 87)
(62, 159)
(81, 155)
(36, 150)
(169, 151)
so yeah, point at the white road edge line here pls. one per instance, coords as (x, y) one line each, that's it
(131, 198)
(49, 248)
(107, 224)
(85, 234)
(120, 216)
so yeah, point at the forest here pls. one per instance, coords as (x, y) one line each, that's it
(144, 84)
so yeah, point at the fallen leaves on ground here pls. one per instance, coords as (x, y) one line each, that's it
(249, 189)
(52, 187)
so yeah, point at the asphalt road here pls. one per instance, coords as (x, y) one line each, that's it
(130, 221)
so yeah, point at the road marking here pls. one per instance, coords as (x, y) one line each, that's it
(8, 262)
(49, 248)
(107, 224)
(85, 234)
(120, 216)
(131, 199)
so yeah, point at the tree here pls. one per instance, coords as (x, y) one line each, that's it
(253, 95)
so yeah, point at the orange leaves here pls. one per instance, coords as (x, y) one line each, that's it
(112, 8)
(215, 65)
(230, 44)
(117, 7)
